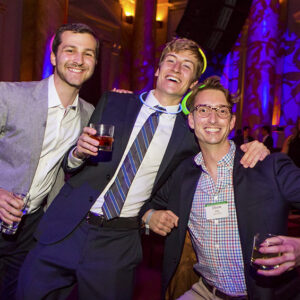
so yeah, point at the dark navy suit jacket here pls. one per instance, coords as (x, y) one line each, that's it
(76, 198)
(262, 195)
(269, 143)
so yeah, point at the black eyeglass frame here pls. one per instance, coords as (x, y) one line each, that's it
(215, 108)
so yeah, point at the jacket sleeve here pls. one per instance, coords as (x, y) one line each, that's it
(287, 175)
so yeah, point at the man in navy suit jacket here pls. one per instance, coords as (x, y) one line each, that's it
(76, 243)
(223, 205)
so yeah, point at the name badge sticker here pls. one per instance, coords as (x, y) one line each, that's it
(216, 210)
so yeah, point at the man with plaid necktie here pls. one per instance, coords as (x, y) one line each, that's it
(223, 205)
(91, 232)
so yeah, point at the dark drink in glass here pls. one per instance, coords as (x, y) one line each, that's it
(104, 135)
(105, 142)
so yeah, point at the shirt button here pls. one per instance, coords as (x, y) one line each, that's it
(108, 177)
(217, 246)
(216, 222)
(216, 198)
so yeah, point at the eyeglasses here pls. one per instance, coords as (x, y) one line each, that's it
(204, 110)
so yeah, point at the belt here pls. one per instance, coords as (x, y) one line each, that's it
(220, 294)
(118, 223)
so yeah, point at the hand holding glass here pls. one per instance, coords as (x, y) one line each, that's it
(104, 135)
(12, 228)
(260, 238)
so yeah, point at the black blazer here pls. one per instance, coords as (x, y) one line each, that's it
(263, 196)
(76, 198)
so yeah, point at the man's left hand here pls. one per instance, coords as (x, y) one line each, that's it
(254, 151)
(289, 247)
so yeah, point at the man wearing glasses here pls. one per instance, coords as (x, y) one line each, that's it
(223, 205)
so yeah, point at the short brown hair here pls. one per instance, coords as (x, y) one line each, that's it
(184, 44)
(211, 83)
(76, 28)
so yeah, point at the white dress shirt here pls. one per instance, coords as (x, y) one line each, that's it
(141, 187)
(62, 131)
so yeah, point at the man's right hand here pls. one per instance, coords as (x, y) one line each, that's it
(86, 145)
(162, 221)
(10, 207)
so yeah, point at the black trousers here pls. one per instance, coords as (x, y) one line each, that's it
(13, 250)
(101, 261)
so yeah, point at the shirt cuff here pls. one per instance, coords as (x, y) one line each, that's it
(74, 162)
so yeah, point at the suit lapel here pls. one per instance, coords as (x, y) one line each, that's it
(186, 197)
(179, 131)
(39, 110)
(125, 125)
(84, 118)
(132, 110)
(244, 210)
(40, 101)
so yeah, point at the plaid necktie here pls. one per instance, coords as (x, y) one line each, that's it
(115, 197)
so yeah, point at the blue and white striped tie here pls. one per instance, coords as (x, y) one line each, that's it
(115, 197)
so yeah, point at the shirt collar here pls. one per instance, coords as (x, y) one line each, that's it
(152, 101)
(226, 160)
(53, 98)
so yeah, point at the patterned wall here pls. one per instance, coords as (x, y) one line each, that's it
(265, 65)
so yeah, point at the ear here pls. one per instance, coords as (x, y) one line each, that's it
(156, 73)
(191, 120)
(53, 59)
(193, 84)
(232, 122)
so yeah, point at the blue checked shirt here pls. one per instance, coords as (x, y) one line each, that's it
(217, 241)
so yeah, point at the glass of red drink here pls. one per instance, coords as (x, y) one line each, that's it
(104, 135)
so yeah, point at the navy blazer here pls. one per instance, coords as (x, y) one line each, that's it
(77, 196)
(263, 196)
(269, 143)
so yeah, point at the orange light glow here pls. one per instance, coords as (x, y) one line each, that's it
(276, 112)
(128, 7)
(162, 10)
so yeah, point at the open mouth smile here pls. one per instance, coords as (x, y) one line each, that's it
(75, 70)
(172, 78)
(212, 130)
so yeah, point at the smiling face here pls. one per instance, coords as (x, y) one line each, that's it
(175, 75)
(75, 59)
(211, 130)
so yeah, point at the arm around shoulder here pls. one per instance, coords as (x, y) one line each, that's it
(288, 177)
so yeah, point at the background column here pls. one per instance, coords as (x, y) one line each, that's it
(41, 18)
(143, 48)
(261, 62)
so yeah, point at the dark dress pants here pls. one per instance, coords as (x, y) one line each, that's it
(102, 261)
(13, 250)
